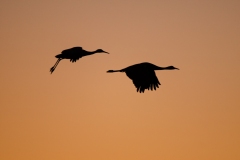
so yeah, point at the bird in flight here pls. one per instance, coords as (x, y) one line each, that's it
(74, 54)
(143, 75)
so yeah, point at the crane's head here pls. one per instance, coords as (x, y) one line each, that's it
(171, 67)
(100, 51)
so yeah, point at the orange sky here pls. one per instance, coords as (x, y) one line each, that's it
(81, 112)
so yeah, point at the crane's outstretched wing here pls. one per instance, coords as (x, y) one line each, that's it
(144, 79)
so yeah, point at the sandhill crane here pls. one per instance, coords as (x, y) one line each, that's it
(74, 54)
(143, 75)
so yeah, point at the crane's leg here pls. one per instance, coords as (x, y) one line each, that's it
(55, 65)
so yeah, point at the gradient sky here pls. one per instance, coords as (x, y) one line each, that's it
(81, 112)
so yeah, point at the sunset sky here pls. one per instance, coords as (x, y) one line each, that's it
(80, 112)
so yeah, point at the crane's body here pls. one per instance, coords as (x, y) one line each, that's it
(74, 54)
(143, 75)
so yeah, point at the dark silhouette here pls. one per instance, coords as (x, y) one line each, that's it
(143, 75)
(74, 54)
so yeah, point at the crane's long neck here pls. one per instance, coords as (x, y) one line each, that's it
(161, 68)
(165, 68)
(87, 53)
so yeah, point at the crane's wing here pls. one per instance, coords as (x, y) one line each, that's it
(72, 53)
(72, 50)
(144, 79)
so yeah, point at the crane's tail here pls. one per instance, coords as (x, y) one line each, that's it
(55, 65)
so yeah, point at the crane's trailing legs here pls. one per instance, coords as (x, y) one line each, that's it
(55, 65)
(111, 71)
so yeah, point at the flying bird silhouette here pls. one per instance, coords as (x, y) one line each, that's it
(143, 75)
(74, 54)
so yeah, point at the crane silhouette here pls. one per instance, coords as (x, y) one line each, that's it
(143, 75)
(74, 54)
